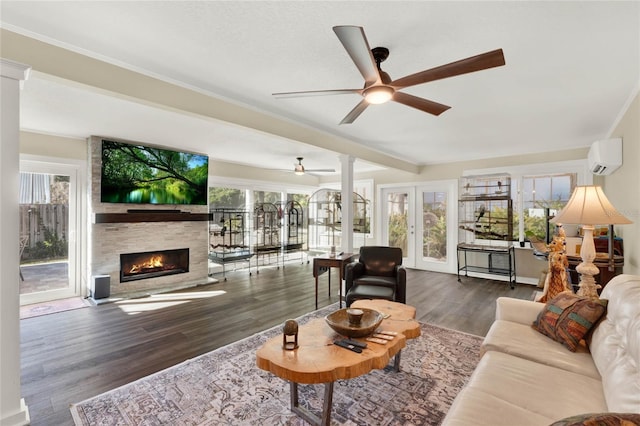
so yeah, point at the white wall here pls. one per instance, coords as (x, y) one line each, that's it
(622, 187)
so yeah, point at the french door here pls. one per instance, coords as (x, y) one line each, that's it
(49, 231)
(421, 220)
(398, 221)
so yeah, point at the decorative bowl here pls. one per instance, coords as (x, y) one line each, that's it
(339, 322)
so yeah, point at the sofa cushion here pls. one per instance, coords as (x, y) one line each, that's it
(567, 318)
(364, 291)
(600, 419)
(523, 341)
(376, 280)
(541, 389)
(615, 344)
(517, 310)
(471, 405)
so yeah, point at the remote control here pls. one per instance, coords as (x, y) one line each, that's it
(383, 336)
(376, 340)
(345, 345)
(355, 343)
(390, 333)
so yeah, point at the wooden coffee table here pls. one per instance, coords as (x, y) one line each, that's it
(401, 318)
(318, 360)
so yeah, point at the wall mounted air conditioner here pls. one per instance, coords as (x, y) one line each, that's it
(605, 156)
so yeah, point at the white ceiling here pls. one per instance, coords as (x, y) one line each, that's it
(571, 67)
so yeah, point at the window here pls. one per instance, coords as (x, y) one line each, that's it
(302, 199)
(543, 196)
(538, 187)
(434, 216)
(260, 197)
(226, 198)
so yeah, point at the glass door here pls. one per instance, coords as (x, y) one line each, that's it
(398, 221)
(422, 221)
(435, 233)
(48, 225)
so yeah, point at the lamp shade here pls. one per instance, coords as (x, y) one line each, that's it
(589, 206)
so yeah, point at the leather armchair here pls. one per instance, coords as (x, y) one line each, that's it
(377, 274)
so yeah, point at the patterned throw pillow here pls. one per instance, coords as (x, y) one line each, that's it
(567, 318)
(601, 419)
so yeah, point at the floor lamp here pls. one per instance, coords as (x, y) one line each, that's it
(588, 206)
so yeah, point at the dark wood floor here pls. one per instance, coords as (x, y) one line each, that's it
(70, 356)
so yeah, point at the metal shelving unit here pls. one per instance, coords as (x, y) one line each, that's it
(295, 232)
(267, 229)
(485, 226)
(229, 240)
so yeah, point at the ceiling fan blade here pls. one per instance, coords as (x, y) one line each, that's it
(355, 113)
(480, 62)
(316, 93)
(320, 170)
(422, 104)
(355, 43)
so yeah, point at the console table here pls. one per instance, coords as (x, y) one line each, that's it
(609, 268)
(497, 260)
(324, 263)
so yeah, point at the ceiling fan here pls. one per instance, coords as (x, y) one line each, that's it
(299, 169)
(378, 86)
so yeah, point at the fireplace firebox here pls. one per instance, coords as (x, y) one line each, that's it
(140, 266)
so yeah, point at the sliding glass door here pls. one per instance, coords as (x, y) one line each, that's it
(48, 243)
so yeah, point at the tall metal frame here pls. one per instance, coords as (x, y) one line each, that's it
(229, 237)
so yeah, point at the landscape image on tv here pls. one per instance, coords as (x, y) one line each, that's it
(144, 175)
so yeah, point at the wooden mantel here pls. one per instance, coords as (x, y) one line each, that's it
(151, 216)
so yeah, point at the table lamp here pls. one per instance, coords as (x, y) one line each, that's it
(588, 206)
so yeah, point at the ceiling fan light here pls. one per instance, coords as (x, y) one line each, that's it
(299, 170)
(378, 95)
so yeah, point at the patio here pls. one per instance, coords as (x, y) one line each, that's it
(44, 276)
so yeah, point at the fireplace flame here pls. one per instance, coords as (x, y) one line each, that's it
(151, 263)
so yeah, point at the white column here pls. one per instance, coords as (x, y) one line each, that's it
(13, 410)
(347, 202)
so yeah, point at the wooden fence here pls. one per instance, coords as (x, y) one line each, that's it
(43, 223)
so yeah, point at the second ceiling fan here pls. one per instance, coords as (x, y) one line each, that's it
(300, 170)
(378, 86)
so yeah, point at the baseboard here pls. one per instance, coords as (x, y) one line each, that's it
(21, 418)
(519, 280)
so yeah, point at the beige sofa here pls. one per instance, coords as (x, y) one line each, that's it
(525, 378)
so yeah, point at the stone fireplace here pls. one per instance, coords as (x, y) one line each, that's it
(151, 264)
(117, 230)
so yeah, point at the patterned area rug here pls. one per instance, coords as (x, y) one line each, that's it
(224, 387)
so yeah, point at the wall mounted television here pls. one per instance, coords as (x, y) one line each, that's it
(141, 174)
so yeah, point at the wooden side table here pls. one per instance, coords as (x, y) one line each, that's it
(322, 264)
